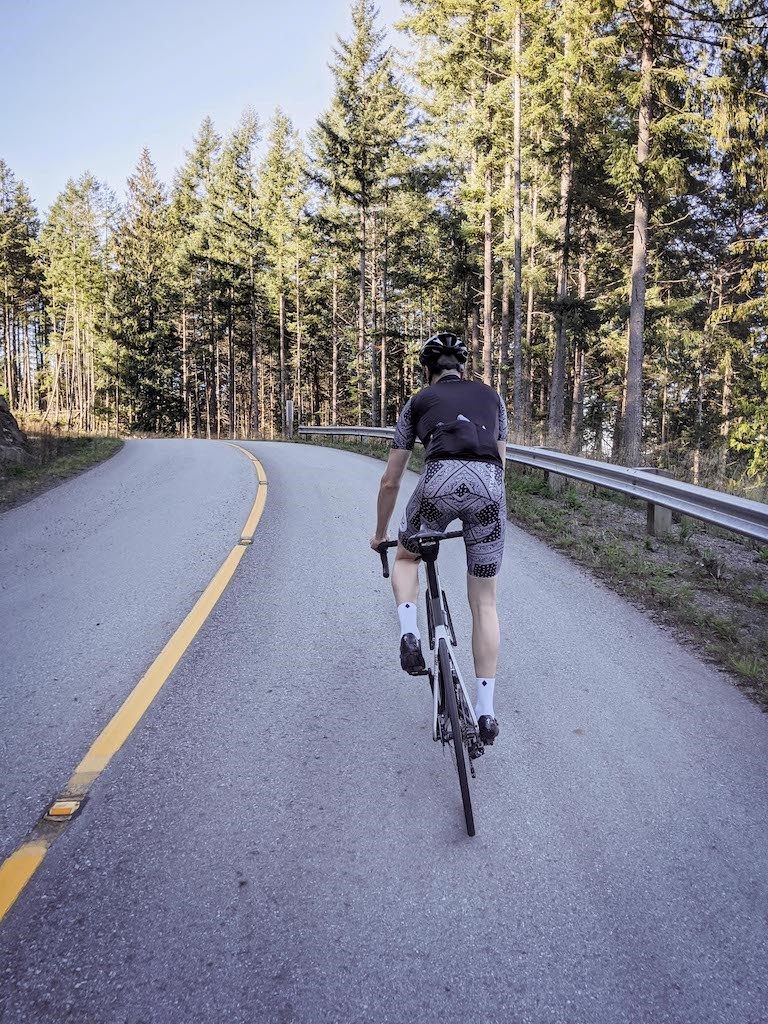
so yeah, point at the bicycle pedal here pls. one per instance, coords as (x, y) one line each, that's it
(476, 750)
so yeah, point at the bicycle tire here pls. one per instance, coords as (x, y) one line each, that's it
(460, 754)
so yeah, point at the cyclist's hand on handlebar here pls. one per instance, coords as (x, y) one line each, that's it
(376, 541)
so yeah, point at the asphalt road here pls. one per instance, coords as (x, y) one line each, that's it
(280, 841)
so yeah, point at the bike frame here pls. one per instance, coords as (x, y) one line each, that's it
(440, 629)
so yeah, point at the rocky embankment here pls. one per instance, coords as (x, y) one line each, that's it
(14, 448)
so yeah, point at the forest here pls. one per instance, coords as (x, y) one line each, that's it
(578, 187)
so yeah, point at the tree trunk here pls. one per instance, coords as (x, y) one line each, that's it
(725, 408)
(184, 374)
(579, 364)
(557, 393)
(335, 341)
(517, 384)
(231, 367)
(488, 280)
(298, 383)
(255, 404)
(505, 272)
(526, 388)
(632, 420)
(383, 372)
(361, 319)
(283, 423)
(475, 342)
(210, 378)
(699, 420)
(375, 397)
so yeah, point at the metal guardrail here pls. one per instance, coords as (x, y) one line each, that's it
(662, 494)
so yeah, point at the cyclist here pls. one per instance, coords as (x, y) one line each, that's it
(463, 426)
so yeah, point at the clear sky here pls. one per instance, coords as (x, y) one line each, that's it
(88, 83)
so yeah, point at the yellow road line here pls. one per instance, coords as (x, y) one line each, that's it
(17, 869)
(114, 735)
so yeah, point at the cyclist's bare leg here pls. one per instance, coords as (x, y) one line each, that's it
(405, 576)
(405, 584)
(481, 592)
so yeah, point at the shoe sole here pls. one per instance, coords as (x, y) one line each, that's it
(414, 667)
(488, 738)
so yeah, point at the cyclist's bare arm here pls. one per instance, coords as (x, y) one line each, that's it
(388, 491)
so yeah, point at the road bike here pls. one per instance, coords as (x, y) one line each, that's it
(454, 723)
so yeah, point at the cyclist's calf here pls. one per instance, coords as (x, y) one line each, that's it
(481, 592)
(405, 576)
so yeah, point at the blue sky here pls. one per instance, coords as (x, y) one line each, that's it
(93, 81)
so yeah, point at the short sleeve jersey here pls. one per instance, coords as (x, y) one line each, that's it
(454, 419)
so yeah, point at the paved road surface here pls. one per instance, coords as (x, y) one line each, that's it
(280, 841)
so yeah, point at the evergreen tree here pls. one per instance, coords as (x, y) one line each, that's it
(74, 245)
(280, 202)
(237, 250)
(20, 339)
(147, 354)
(195, 273)
(354, 141)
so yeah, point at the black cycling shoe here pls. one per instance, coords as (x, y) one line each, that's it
(411, 658)
(489, 729)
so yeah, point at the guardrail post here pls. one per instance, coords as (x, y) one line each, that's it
(556, 482)
(659, 518)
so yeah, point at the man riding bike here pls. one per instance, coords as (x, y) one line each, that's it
(463, 426)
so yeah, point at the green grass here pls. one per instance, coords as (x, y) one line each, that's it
(72, 455)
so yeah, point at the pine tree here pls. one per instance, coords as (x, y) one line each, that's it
(192, 226)
(353, 143)
(279, 197)
(74, 242)
(19, 292)
(147, 364)
(237, 250)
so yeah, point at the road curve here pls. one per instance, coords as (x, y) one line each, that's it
(280, 841)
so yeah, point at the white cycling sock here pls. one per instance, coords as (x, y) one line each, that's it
(484, 702)
(407, 614)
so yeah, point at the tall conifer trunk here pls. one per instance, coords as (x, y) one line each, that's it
(475, 349)
(282, 394)
(184, 372)
(505, 279)
(525, 418)
(335, 342)
(231, 366)
(488, 279)
(557, 393)
(255, 403)
(375, 395)
(517, 306)
(383, 372)
(630, 430)
(298, 340)
(210, 379)
(579, 363)
(361, 318)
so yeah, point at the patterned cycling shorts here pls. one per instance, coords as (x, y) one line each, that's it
(470, 491)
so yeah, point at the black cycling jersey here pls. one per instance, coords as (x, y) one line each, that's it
(454, 419)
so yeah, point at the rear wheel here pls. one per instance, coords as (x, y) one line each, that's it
(460, 754)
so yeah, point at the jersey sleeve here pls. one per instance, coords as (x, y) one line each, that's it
(405, 436)
(503, 426)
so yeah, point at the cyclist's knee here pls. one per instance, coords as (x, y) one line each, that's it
(481, 591)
